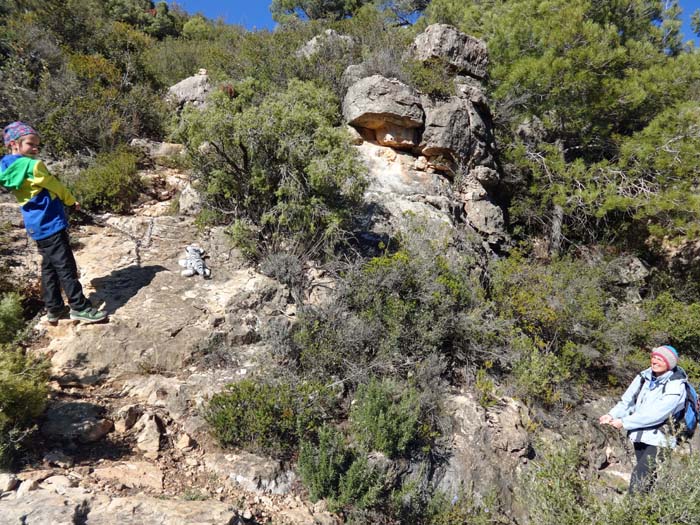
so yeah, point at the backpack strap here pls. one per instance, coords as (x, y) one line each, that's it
(678, 375)
(642, 379)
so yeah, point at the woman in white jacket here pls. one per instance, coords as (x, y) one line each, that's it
(655, 394)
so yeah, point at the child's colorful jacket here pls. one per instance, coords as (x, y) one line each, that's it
(40, 195)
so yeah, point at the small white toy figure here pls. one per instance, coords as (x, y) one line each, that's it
(194, 263)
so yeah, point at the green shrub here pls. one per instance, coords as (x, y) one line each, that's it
(385, 417)
(23, 392)
(110, 184)
(267, 418)
(281, 164)
(330, 470)
(558, 492)
(565, 324)
(423, 301)
(173, 59)
(270, 56)
(485, 386)
(254, 416)
(432, 78)
(673, 500)
(674, 322)
(462, 508)
(11, 320)
(381, 43)
(361, 486)
(563, 300)
(321, 464)
(539, 374)
(560, 489)
(243, 234)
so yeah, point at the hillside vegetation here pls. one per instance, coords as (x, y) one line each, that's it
(596, 107)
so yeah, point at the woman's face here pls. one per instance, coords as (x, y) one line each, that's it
(658, 365)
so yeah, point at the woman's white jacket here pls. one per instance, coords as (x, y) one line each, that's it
(645, 411)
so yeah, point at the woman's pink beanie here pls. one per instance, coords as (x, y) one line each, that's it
(668, 354)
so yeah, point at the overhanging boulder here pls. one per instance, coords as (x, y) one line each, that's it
(390, 108)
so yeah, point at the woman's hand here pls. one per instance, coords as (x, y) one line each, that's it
(617, 423)
(605, 419)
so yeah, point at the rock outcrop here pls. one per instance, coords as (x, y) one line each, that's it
(158, 150)
(489, 448)
(391, 109)
(192, 90)
(464, 54)
(328, 39)
(457, 131)
(438, 155)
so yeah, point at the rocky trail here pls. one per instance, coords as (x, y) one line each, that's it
(123, 439)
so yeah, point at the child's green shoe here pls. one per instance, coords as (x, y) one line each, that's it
(88, 315)
(52, 316)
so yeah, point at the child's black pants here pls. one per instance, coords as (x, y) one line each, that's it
(58, 270)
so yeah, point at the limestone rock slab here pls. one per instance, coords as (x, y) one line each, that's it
(253, 473)
(373, 102)
(193, 90)
(44, 507)
(133, 474)
(75, 421)
(464, 53)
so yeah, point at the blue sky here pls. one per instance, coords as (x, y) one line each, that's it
(251, 14)
(255, 14)
(688, 6)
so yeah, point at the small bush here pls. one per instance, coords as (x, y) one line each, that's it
(431, 78)
(565, 324)
(267, 418)
(243, 234)
(558, 492)
(485, 387)
(322, 464)
(111, 184)
(674, 499)
(382, 44)
(280, 167)
(361, 486)
(330, 470)
(561, 301)
(23, 393)
(386, 417)
(11, 320)
(674, 322)
(254, 415)
(462, 508)
(422, 301)
(540, 375)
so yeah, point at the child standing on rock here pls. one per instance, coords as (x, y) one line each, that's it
(41, 198)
